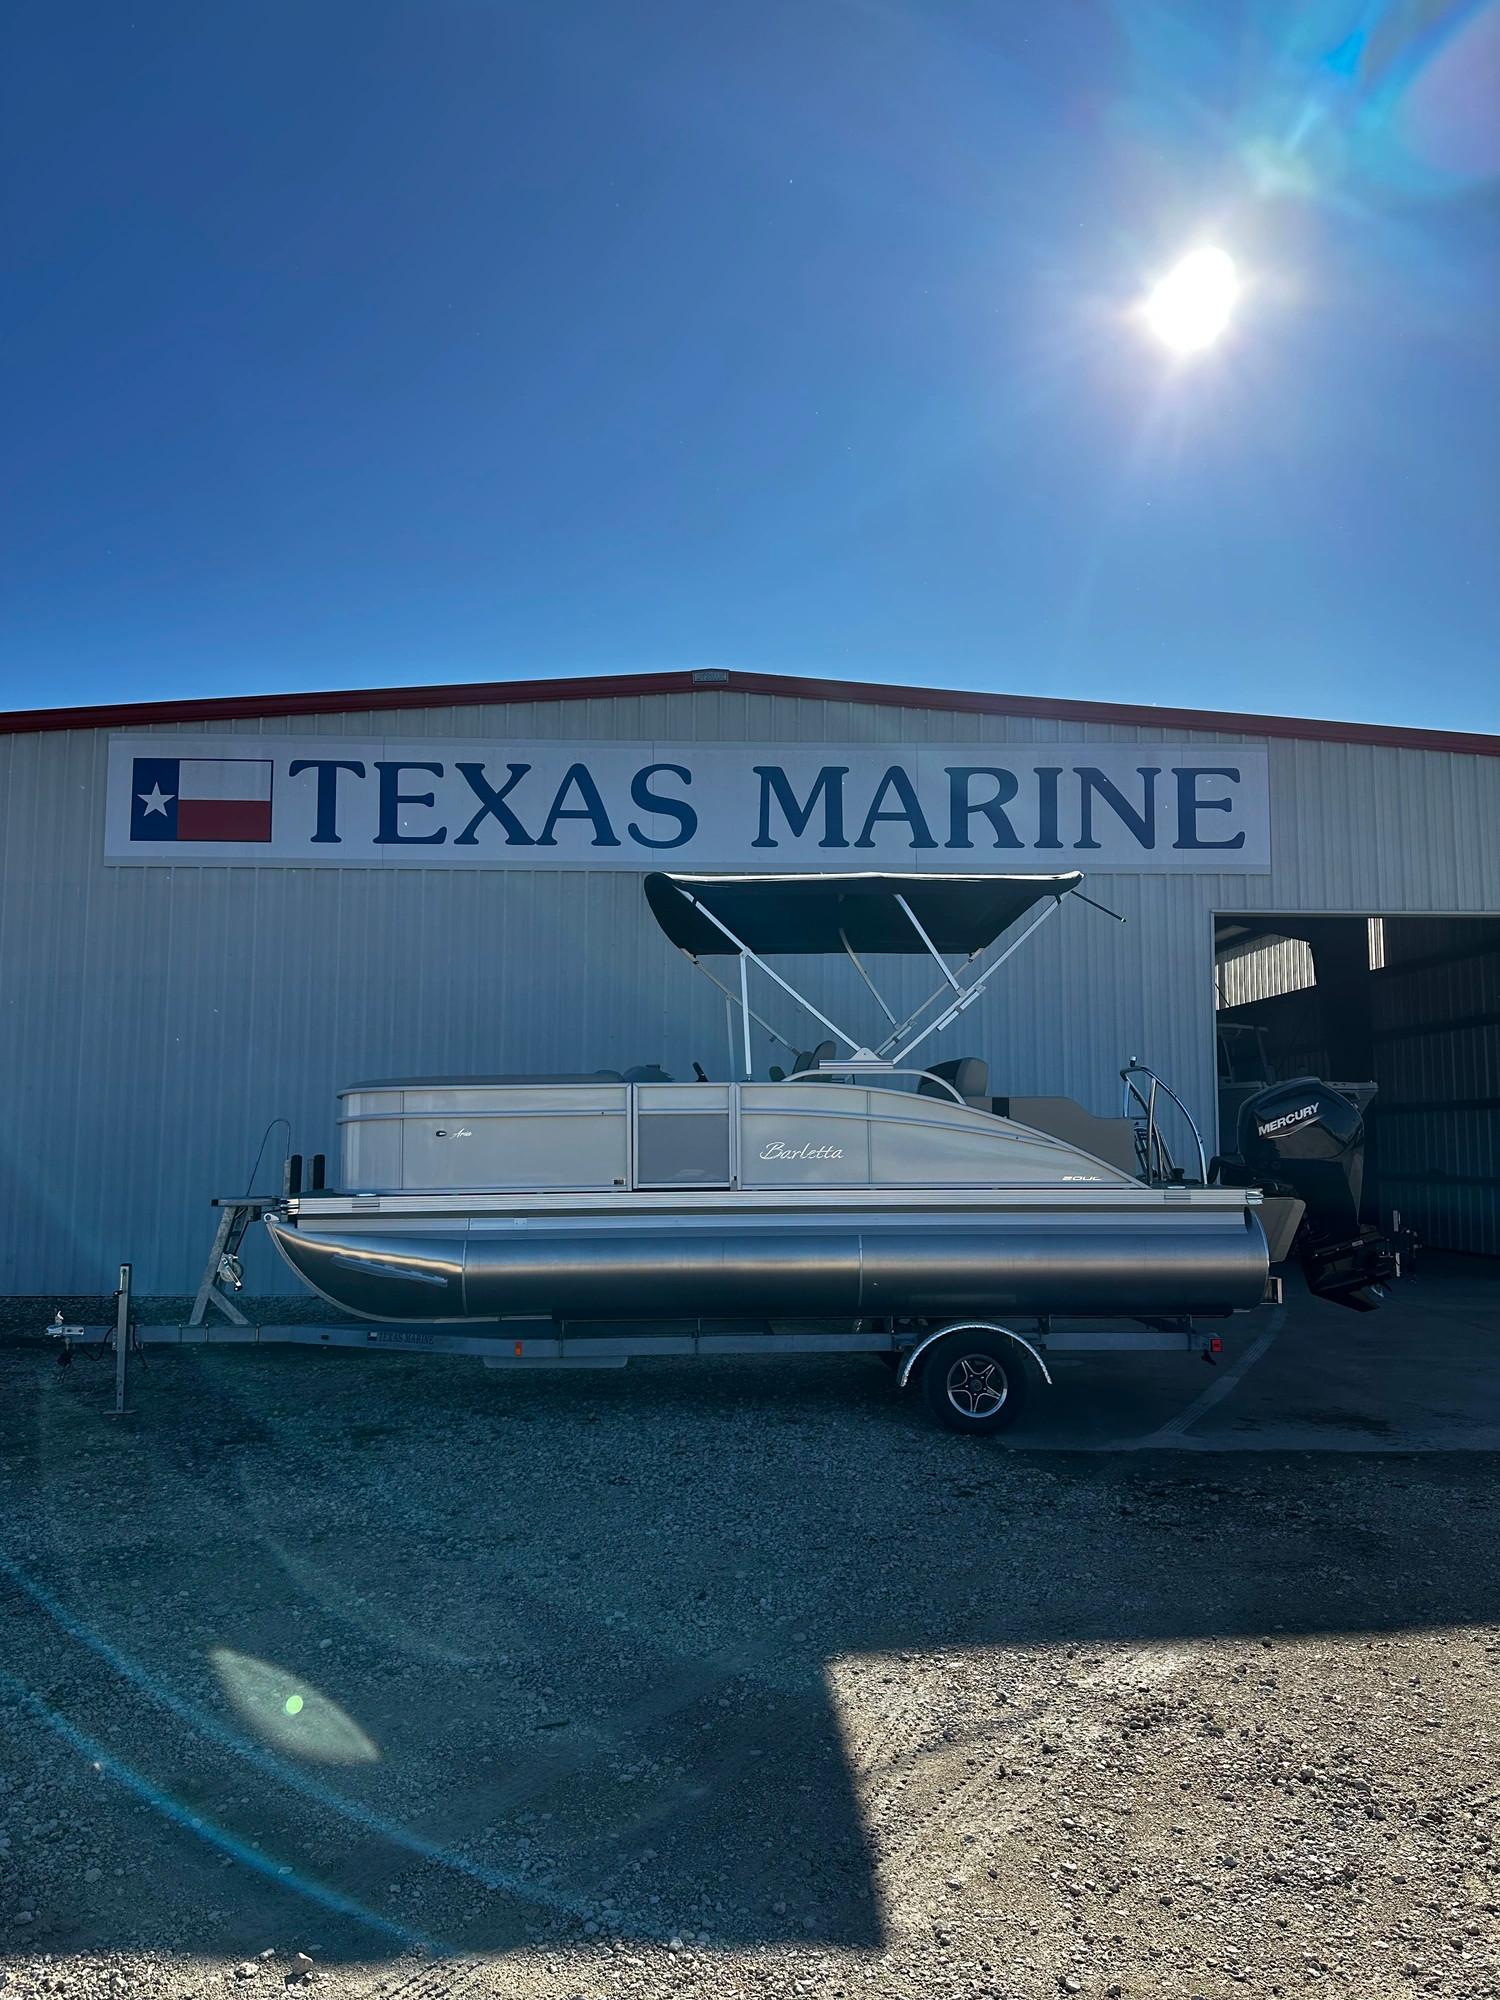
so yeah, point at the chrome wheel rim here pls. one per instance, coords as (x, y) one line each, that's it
(977, 1385)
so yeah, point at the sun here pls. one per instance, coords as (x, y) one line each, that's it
(1190, 307)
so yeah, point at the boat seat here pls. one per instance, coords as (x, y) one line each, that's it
(1108, 1139)
(647, 1073)
(810, 1058)
(969, 1076)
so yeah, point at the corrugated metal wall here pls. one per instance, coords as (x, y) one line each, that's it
(155, 1019)
(1437, 1045)
(1261, 971)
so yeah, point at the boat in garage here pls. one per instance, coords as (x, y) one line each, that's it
(865, 1197)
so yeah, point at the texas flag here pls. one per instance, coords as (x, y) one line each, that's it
(200, 798)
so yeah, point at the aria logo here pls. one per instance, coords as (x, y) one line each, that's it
(463, 1132)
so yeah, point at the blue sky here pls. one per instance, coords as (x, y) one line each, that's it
(382, 343)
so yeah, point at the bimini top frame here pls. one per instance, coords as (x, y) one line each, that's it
(747, 916)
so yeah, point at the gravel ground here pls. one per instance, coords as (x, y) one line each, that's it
(722, 1679)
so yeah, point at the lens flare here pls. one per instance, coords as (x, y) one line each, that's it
(299, 1721)
(1190, 307)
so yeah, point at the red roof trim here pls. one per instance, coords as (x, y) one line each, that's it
(953, 701)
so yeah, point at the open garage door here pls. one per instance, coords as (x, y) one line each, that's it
(1410, 1004)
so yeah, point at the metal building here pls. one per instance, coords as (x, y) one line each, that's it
(214, 914)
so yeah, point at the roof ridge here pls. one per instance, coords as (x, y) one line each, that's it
(880, 694)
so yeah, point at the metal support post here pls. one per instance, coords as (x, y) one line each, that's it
(223, 1266)
(971, 992)
(122, 1337)
(745, 1014)
(770, 971)
(731, 1001)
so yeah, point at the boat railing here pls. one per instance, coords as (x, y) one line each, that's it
(608, 1137)
(1143, 1088)
(861, 1071)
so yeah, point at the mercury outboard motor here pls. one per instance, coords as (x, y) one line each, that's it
(1305, 1139)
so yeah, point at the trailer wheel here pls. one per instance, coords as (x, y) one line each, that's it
(974, 1383)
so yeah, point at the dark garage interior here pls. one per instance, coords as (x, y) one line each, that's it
(1410, 1004)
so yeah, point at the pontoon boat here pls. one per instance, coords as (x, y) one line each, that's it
(867, 1198)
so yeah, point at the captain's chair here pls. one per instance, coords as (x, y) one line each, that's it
(969, 1076)
(806, 1059)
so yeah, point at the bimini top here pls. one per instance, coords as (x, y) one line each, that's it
(832, 913)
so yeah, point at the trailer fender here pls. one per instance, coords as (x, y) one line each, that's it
(914, 1355)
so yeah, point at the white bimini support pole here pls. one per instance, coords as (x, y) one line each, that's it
(745, 1014)
(916, 923)
(771, 972)
(731, 1001)
(969, 994)
(855, 961)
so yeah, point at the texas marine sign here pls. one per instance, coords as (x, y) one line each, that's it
(300, 801)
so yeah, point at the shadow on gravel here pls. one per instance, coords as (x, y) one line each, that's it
(356, 1654)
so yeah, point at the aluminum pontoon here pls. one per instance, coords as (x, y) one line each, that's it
(835, 1207)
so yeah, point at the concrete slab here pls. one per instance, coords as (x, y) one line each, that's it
(1420, 1375)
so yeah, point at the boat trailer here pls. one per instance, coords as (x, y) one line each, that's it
(522, 1344)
